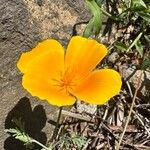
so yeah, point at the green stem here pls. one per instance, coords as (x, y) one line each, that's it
(106, 13)
(43, 146)
(135, 41)
(57, 124)
(110, 16)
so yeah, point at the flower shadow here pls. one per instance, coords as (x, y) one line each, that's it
(34, 121)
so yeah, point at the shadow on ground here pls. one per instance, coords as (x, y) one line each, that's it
(34, 121)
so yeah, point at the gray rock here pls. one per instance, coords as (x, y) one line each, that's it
(131, 74)
(23, 23)
(40, 2)
(86, 108)
(113, 57)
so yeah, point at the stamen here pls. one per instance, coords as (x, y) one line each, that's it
(64, 83)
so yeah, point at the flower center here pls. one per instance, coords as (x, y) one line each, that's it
(64, 83)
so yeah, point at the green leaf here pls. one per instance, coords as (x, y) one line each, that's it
(147, 38)
(135, 41)
(99, 2)
(78, 140)
(95, 23)
(139, 47)
(25, 138)
(146, 64)
(138, 5)
(121, 46)
(127, 3)
(19, 135)
(145, 16)
(88, 30)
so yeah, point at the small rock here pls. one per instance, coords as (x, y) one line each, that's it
(131, 74)
(113, 57)
(86, 108)
(40, 2)
(22, 25)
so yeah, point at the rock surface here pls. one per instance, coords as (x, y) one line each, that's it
(23, 23)
(131, 75)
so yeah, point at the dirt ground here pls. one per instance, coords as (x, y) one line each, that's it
(23, 23)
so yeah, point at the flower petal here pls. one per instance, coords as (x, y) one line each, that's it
(43, 67)
(44, 57)
(47, 90)
(82, 56)
(99, 86)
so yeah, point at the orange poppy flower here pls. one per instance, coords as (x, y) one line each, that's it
(60, 78)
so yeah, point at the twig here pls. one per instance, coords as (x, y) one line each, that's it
(130, 91)
(104, 117)
(77, 116)
(57, 124)
(131, 108)
(141, 123)
(86, 144)
(88, 119)
(87, 124)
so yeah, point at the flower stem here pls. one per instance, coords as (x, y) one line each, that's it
(43, 146)
(57, 124)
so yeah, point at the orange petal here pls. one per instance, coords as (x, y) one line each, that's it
(99, 86)
(47, 90)
(82, 56)
(43, 67)
(43, 57)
